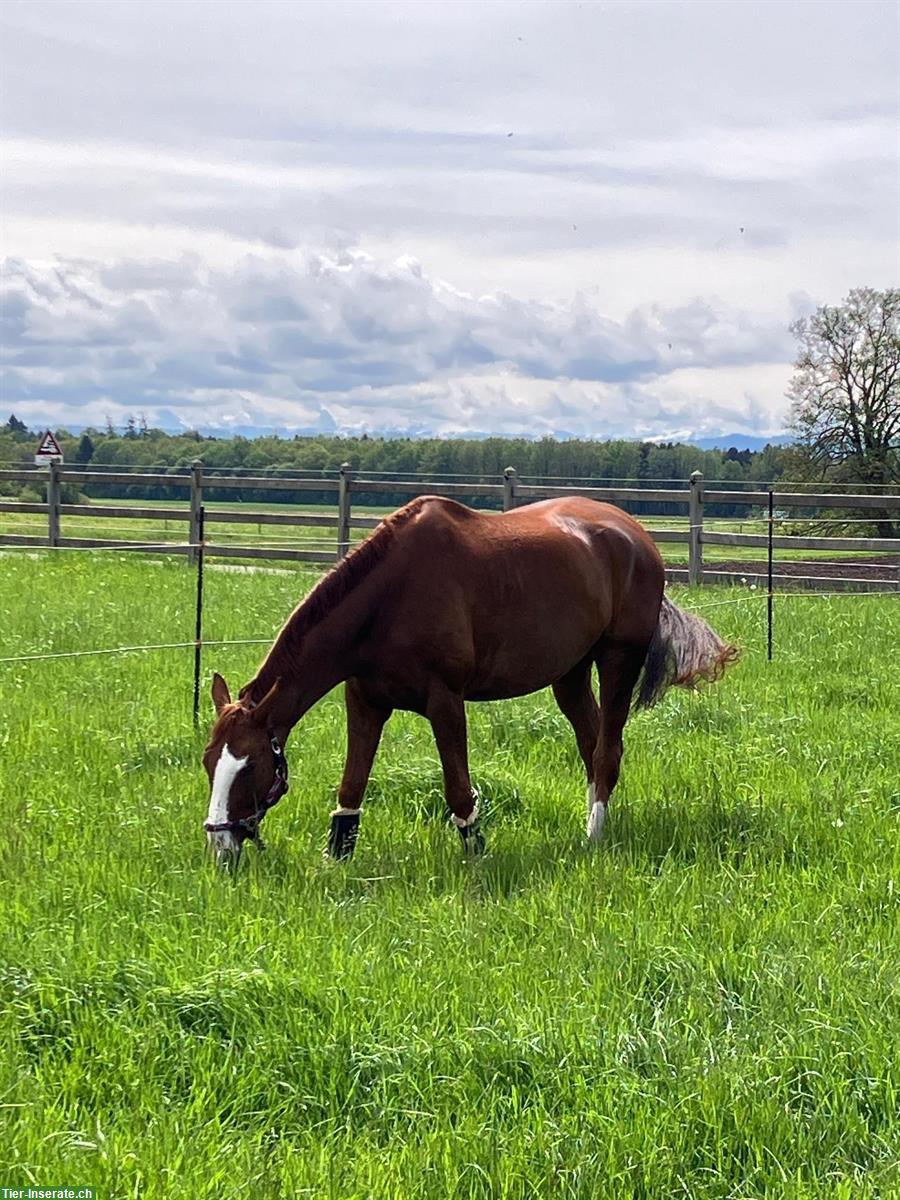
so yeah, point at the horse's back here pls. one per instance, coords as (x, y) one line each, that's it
(573, 533)
(515, 599)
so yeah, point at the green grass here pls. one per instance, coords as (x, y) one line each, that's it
(707, 1006)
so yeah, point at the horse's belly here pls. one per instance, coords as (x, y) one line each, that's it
(507, 691)
(527, 664)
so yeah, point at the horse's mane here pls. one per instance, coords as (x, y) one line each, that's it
(326, 596)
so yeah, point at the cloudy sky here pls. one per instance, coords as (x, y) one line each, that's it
(587, 218)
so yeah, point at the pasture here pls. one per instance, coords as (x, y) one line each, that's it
(706, 1006)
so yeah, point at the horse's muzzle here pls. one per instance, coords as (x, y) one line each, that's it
(226, 847)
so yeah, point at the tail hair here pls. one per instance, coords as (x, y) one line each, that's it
(684, 651)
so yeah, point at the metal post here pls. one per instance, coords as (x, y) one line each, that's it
(509, 488)
(194, 528)
(53, 499)
(198, 624)
(695, 529)
(769, 598)
(343, 533)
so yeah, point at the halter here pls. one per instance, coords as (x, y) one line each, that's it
(250, 825)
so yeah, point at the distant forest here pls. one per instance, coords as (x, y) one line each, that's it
(602, 462)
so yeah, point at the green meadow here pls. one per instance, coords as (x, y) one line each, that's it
(705, 1006)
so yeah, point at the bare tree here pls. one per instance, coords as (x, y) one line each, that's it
(845, 392)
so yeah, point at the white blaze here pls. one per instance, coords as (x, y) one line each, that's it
(226, 772)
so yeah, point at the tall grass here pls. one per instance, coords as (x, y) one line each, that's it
(706, 1006)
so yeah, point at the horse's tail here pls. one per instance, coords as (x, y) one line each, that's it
(684, 651)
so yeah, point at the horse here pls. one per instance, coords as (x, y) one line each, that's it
(440, 605)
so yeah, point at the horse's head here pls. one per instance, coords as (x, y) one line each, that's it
(246, 768)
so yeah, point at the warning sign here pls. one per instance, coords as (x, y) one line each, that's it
(48, 451)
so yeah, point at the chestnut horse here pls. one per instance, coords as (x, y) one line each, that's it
(440, 605)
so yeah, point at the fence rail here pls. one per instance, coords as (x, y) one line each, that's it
(693, 498)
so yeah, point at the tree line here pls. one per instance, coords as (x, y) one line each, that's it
(604, 463)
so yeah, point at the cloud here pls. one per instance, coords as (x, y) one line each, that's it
(568, 216)
(366, 343)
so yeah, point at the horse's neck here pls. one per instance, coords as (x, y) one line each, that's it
(310, 665)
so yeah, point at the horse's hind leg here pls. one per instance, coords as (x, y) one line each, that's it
(364, 725)
(575, 696)
(619, 665)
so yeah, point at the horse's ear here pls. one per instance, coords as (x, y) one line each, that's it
(220, 693)
(260, 712)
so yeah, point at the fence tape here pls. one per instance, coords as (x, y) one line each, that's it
(136, 649)
(123, 545)
(763, 594)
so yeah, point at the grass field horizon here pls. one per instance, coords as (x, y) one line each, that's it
(707, 1005)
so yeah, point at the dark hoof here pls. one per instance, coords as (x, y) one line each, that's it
(343, 834)
(472, 839)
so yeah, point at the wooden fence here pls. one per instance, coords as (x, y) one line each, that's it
(508, 492)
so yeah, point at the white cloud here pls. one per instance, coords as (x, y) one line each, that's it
(592, 181)
(371, 344)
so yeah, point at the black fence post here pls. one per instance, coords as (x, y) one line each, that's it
(769, 598)
(198, 626)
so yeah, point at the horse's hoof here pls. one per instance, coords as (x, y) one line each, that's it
(472, 839)
(343, 834)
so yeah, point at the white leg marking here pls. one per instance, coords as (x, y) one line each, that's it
(596, 821)
(340, 811)
(591, 796)
(465, 822)
(226, 772)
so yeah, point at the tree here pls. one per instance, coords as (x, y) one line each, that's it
(845, 392)
(14, 425)
(85, 451)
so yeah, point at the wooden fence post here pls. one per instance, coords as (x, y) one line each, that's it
(509, 488)
(343, 535)
(195, 526)
(695, 532)
(53, 499)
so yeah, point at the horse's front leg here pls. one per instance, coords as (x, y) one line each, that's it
(364, 725)
(447, 713)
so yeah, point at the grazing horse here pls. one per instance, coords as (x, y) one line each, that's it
(440, 605)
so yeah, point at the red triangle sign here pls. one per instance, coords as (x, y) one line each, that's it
(49, 445)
